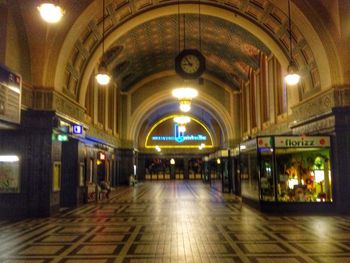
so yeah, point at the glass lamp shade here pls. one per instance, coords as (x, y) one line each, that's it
(185, 93)
(182, 119)
(50, 12)
(185, 107)
(102, 77)
(172, 161)
(292, 77)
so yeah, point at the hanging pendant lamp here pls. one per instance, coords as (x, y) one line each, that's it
(102, 77)
(50, 11)
(292, 78)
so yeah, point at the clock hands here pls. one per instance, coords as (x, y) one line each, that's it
(187, 62)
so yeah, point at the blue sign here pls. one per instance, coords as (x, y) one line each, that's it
(77, 129)
(180, 137)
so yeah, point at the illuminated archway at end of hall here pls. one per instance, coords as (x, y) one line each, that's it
(166, 134)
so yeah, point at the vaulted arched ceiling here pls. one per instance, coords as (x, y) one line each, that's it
(152, 47)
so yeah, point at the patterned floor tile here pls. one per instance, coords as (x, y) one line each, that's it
(332, 259)
(59, 238)
(277, 259)
(41, 250)
(97, 250)
(317, 247)
(26, 260)
(90, 260)
(174, 221)
(264, 248)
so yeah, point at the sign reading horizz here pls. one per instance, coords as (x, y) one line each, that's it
(301, 141)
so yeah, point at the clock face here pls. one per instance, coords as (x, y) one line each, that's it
(190, 64)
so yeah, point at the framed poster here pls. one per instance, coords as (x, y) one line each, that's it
(56, 176)
(10, 174)
(81, 174)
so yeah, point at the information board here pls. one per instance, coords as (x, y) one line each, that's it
(10, 95)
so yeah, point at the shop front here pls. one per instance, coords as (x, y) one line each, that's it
(292, 173)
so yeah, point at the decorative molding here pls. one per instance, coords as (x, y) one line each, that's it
(321, 126)
(68, 107)
(321, 103)
(27, 97)
(102, 135)
(48, 100)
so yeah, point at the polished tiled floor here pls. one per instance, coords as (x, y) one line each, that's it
(174, 222)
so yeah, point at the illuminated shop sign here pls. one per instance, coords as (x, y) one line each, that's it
(167, 134)
(302, 142)
(102, 156)
(180, 136)
(264, 142)
(77, 129)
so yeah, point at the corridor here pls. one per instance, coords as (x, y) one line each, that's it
(174, 221)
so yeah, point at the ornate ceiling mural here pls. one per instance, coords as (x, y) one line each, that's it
(150, 47)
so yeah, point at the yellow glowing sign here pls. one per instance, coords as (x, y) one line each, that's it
(166, 133)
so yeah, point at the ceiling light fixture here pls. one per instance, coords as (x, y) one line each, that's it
(50, 11)
(102, 77)
(292, 77)
(182, 119)
(185, 96)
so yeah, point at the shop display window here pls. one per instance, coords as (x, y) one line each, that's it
(249, 175)
(267, 189)
(286, 169)
(303, 175)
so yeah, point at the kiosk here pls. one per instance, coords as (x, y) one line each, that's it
(292, 173)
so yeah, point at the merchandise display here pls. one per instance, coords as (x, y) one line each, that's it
(287, 169)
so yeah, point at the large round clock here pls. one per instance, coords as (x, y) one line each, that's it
(190, 64)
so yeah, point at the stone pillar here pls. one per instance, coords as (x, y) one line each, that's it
(71, 193)
(33, 143)
(125, 159)
(340, 160)
(141, 169)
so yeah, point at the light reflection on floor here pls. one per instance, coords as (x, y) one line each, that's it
(174, 222)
